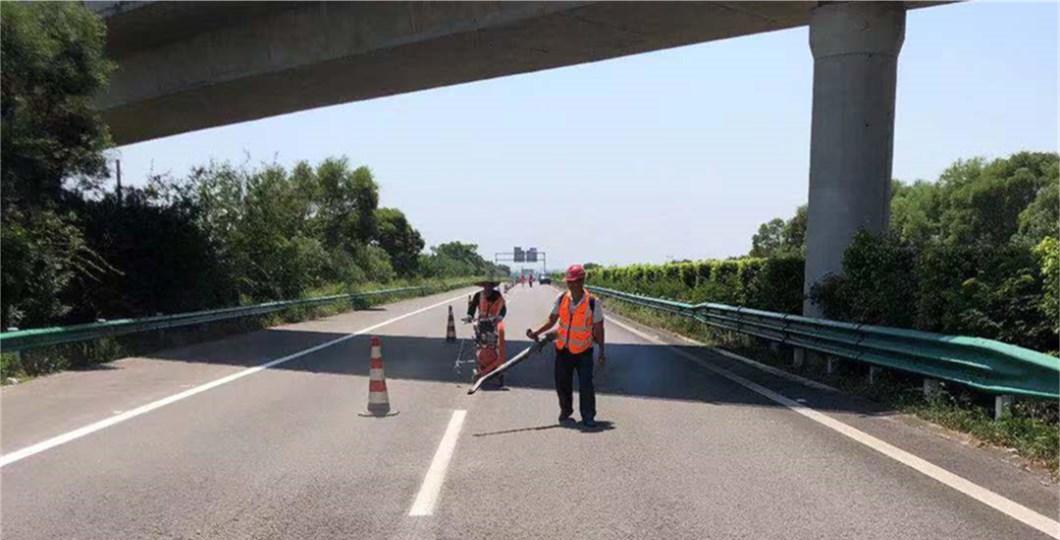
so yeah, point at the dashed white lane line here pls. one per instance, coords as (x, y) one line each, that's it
(427, 498)
(998, 502)
(48, 444)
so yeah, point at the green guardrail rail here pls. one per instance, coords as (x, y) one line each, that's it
(22, 340)
(984, 364)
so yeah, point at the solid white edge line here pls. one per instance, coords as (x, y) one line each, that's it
(998, 502)
(37, 448)
(427, 497)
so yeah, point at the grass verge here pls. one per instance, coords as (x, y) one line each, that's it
(16, 368)
(1033, 430)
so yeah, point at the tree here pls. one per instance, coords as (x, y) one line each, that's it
(915, 211)
(1048, 253)
(53, 67)
(1041, 218)
(982, 203)
(42, 255)
(365, 197)
(399, 239)
(795, 232)
(344, 196)
(460, 252)
(769, 239)
(457, 259)
(780, 238)
(165, 262)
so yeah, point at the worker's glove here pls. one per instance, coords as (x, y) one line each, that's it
(531, 334)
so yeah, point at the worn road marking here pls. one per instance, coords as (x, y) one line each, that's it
(427, 498)
(998, 502)
(48, 444)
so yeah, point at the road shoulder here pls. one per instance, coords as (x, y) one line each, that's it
(990, 467)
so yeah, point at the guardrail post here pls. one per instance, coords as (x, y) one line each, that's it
(830, 364)
(874, 374)
(161, 332)
(798, 357)
(18, 354)
(932, 388)
(1003, 406)
(774, 346)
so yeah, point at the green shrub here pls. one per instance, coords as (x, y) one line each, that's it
(1048, 253)
(877, 286)
(770, 284)
(991, 291)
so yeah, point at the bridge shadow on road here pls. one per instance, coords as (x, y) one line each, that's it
(633, 369)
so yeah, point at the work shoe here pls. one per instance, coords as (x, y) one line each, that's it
(589, 423)
(565, 417)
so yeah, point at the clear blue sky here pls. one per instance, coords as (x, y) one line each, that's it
(679, 153)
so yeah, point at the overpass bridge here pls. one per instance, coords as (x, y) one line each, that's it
(184, 66)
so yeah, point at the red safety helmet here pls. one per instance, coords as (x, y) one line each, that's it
(575, 272)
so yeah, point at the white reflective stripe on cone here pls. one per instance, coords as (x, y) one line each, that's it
(375, 374)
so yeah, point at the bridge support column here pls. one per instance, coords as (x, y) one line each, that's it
(855, 48)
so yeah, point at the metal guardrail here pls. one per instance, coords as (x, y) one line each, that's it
(21, 340)
(987, 365)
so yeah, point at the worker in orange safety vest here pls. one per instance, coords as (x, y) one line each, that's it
(489, 302)
(581, 323)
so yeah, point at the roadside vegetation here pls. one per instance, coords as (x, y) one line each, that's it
(76, 249)
(974, 253)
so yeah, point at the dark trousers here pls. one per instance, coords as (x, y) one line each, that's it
(566, 365)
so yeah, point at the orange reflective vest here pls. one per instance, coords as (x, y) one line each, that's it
(575, 326)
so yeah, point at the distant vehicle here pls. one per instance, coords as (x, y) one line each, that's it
(544, 279)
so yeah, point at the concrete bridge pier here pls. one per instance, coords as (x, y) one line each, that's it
(855, 48)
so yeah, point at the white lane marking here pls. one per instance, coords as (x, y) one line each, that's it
(998, 502)
(37, 448)
(427, 498)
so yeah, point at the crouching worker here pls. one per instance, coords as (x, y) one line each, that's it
(489, 303)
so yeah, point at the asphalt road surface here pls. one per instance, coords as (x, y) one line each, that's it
(201, 442)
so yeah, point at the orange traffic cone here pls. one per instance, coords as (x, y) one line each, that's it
(450, 330)
(378, 399)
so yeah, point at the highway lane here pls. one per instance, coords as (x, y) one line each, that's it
(52, 405)
(682, 452)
